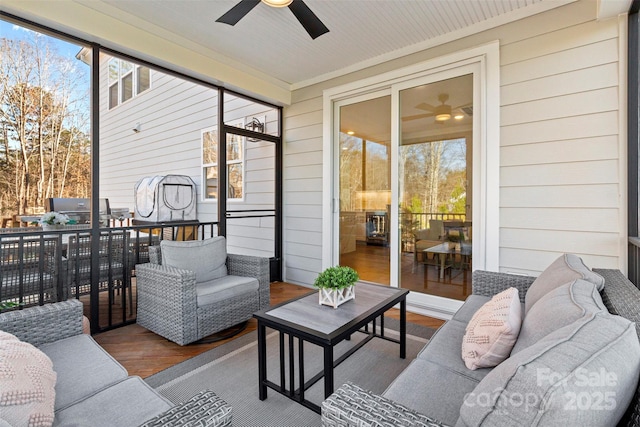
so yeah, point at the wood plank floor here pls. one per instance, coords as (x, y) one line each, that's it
(144, 353)
(373, 264)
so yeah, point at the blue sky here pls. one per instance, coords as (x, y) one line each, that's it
(80, 71)
(13, 31)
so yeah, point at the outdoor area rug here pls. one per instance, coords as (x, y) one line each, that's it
(231, 371)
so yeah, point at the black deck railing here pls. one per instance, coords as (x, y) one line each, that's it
(633, 272)
(39, 267)
(421, 220)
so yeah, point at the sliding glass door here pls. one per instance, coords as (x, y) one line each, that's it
(435, 158)
(404, 185)
(364, 165)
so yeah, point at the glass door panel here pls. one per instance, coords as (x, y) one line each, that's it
(365, 188)
(434, 187)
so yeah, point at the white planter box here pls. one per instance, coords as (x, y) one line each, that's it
(335, 297)
(52, 227)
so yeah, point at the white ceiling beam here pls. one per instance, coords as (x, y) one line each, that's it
(610, 8)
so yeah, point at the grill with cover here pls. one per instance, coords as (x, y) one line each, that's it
(165, 198)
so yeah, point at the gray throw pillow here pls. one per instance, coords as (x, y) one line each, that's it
(559, 307)
(565, 269)
(583, 374)
(207, 258)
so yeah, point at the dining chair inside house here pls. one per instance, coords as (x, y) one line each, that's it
(460, 232)
(29, 269)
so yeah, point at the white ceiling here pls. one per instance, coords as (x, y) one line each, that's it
(362, 32)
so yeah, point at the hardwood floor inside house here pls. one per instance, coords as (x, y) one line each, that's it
(373, 264)
(144, 353)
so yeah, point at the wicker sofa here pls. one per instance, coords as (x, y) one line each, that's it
(92, 388)
(437, 389)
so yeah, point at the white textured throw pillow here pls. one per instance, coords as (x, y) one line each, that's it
(492, 331)
(27, 384)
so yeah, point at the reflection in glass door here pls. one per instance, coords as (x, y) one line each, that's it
(365, 188)
(434, 187)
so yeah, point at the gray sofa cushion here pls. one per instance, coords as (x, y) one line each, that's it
(583, 374)
(444, 349)
(426, 387)
(565, 269)
(83, 367)
(469, 308)
(560, 307)
(224, 288)
(207, 258)
(127, 403)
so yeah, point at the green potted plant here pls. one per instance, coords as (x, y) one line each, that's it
(336, 285)
(5, 305)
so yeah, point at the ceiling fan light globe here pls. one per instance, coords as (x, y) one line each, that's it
(277, 3)
(443, 117)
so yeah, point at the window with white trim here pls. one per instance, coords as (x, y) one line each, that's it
(126, 80)
(235, 164)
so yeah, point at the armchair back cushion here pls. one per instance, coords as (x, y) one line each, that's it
(565, 269)
(434, 232)
(207, 258)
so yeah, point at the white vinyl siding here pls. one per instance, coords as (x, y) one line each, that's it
(562, 176)
(303, 175)
(172, 115)
(561, 169)
(560, 161)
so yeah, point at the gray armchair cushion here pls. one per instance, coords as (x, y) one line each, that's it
(565, 269)
(582, 374)
(207, 258)
(224, 288)
(83, 368)
(560, 307)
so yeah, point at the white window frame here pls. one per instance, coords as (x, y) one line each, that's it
(486, 60)
(206, 165)
(242, 162)
(134, 71)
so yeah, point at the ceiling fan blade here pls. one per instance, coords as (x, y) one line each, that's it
(417, 116)
(468, 104)
(425, 106)
(238, 12)
(308, 19)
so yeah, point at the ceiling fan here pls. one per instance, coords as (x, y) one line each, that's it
(442, 112)
(300, 10)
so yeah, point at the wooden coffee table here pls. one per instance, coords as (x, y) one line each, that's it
(305, 319)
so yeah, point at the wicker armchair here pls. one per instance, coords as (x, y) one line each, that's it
(173, 305)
